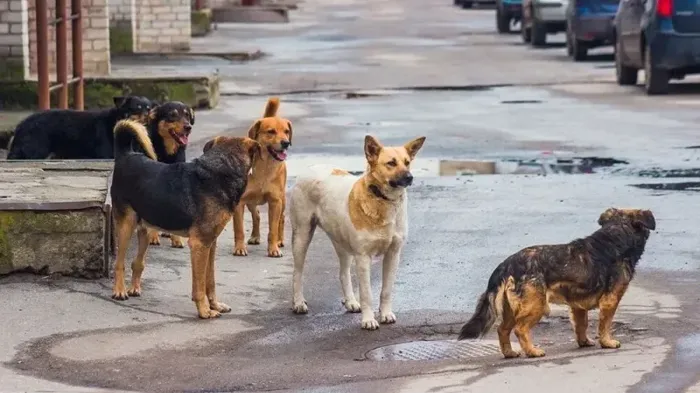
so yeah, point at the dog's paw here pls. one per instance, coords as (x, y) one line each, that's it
(280, 244)
(610, 344)
(176, 242)
(535, 353)
(134, 291)
(274, 252)
(586, 343)
(240, 251)
(370, 324)
(387, 318)
(220, 307)
(352, 306)
(120, 294)
(254, 240)
(300, 307)
(511, 354)
(164, 234)
(153, 239)
(209, 314)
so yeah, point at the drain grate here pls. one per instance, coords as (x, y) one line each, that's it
(436, 350)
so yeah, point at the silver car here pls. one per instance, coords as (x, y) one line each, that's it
(542, 17)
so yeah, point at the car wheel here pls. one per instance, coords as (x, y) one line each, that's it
(538, 34)
(502, 21)
(625, 75)
(580, 52)
(525, 32)
(655, 79)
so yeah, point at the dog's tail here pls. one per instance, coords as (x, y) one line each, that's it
(128, 133)
(489, 307)
(273, 104)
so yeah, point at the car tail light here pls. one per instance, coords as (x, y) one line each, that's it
(664, 8)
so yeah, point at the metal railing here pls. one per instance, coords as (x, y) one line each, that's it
(42, 47)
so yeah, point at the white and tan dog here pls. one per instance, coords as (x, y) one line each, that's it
(364, 217)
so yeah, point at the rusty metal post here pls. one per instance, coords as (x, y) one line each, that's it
(42, 53)
(62, 53)
(198, 5)
(77, 32)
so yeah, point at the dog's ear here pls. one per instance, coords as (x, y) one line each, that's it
(254, 130)
(607, 215)
(119, 101)
(210, 144)
(153, 113)
(645, 219)
(413, 146)
(191, 115)
(254, 148)
(291, 131)
(372, 149)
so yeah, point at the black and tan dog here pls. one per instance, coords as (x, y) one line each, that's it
(267, 184)
(169, 128)
(585, 274)
(73, 135)
(192, 199)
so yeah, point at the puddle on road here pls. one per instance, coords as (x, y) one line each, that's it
(680, 186)
(680, 373)
(544, 165)
(670, 173)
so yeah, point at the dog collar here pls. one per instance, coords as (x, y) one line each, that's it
(377, 192)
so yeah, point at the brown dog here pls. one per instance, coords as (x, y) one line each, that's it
(266, 183)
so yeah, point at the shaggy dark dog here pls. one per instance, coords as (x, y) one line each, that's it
(191, 199)
(593, 272)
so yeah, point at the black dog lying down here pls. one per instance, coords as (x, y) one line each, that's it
(72, 134)
(588, 273)
(191, 199)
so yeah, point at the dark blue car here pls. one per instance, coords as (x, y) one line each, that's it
(507, 12)
(589, 24)
(660, 36)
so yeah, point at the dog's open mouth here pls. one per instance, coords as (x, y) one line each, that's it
(182, 139)
(279, 155)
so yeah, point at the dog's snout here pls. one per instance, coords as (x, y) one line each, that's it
(188, 127)
(408, 179)
(285, 144)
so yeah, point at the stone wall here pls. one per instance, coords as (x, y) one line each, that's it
(14, 40)
(96, 57)
(162, 26)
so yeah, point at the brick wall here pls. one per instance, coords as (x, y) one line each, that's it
(14, 40)
(162, 26)
(96, 58)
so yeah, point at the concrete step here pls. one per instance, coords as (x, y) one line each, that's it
(53, 218)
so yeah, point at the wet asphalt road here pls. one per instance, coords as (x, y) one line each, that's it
(70, 332)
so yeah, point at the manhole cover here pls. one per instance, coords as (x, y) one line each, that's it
(437, 350)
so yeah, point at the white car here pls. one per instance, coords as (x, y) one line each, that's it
(542, 17)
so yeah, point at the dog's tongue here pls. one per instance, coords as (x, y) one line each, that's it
(282, 155)
(182, 139)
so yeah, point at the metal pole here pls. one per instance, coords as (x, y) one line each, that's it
(77, 32)
(42, 54)
(62, 53)
(198, 5)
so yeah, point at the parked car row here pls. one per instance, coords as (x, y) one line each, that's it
(661, 37)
